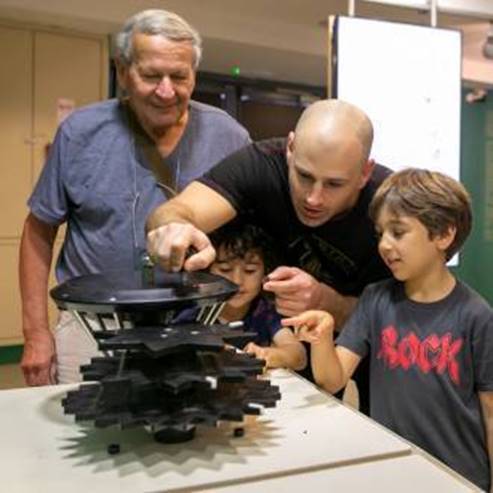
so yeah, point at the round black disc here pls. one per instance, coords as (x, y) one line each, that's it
(131, 291)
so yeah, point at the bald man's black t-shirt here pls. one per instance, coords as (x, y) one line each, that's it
(341, 253)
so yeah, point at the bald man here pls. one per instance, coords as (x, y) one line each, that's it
(310, 192)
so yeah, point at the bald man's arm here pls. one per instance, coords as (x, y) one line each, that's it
(197, 204)
(182, 222)
(297, 291)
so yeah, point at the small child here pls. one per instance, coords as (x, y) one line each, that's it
(244, 254)
(429, 336)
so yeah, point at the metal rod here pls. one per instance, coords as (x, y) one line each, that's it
(86, 327)
(351, 10)
(209, 314)
(121, 363)
(201, 313)
(214, 313)
(433, 13)
(219, 309)
(481, 9)
(118, 321)
(101, 322)
(83, 323)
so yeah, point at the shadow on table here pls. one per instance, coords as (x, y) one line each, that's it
(211, 449)
(299, 394)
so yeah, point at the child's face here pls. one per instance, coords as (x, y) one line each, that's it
(406, 247)
(247, 272)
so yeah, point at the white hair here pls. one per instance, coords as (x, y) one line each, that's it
(157, 22)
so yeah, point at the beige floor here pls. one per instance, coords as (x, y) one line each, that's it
(11, 377)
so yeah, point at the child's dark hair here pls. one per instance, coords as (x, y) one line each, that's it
(238, 237)
(438, 201)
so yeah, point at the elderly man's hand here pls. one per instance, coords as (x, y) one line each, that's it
(38, 360)
(295, 290)
(168, 245)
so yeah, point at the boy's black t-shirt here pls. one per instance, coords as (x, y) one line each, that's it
(428, 361)
(341, 253)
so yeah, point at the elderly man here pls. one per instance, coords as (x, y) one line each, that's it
(310, 192)
(111, 164)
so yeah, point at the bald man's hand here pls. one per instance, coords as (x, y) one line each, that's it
(295, 290)
(168, 246)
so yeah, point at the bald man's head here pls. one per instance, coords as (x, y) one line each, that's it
(331, 123)
(328, 160)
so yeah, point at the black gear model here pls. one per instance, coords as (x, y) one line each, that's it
(154, 373)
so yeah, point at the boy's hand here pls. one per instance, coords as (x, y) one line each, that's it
(313, 326)
(259, 352)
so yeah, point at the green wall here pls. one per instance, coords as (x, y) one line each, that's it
(476, 266)
(10, 354)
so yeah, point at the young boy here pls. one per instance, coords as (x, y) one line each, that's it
(429, 336)
(244, 254)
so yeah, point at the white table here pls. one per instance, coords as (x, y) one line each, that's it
(407, 474)
(44, 450)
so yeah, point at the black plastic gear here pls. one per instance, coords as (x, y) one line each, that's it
(170, 379)
(166, 377)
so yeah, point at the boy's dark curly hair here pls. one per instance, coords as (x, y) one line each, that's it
(237, 238)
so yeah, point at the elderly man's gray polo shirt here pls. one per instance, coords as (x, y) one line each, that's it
(99, 183)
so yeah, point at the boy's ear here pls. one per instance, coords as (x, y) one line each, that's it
(444, 240)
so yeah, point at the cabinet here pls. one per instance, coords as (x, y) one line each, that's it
(41, 69)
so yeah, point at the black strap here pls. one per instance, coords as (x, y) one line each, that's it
(144, 144)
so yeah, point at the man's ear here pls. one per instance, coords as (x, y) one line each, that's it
(367, 171)
(290, 146)
(121, 73)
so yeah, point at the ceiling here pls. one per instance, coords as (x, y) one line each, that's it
(279, 40)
